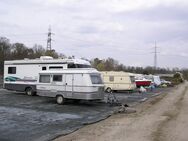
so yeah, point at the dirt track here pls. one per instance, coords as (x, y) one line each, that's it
(163, 118)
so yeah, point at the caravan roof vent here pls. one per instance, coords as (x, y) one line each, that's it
(46, 58)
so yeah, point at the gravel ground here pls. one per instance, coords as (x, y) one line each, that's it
(40, 118)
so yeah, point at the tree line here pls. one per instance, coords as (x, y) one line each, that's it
(16, 51)
(111, 64)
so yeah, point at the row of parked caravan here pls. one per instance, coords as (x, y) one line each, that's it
(119, 80)
(68, 79)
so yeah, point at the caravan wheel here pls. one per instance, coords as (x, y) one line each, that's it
(29, 91)
(60, 99)
(108, 90)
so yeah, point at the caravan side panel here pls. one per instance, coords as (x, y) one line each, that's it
(20, 77)
(24, 72)
(19, 87)
(118, 81)
(73, 86)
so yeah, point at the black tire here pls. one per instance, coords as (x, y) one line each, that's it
(29, 91)
(60, 99)
(108, 90)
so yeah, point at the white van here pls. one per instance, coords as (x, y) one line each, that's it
(118, 80)
(22, 75)
(83, 84)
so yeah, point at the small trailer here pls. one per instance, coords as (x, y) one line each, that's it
(84, 84)
(118, 80)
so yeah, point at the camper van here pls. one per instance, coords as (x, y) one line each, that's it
(118, 80)
(85, 84)
(22, 75)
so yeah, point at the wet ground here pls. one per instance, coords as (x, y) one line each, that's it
(24, 118)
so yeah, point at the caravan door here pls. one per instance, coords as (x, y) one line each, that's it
(57, 84)
(69, 84)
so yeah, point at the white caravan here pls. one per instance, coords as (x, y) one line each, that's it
(154, 78)
(71, 84)
(22, 75)
(114, 80)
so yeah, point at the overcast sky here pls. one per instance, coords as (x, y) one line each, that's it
(125, 30)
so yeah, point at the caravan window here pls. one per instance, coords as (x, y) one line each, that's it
(96, 79)
(11, 70)
(71, 66)
(43, 68)
(132, 79)
(111, 78)
(44, 79)
(55, 67)
(82, 66)
(78, 66)
(57, 78)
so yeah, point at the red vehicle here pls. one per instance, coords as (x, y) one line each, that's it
(144, 82)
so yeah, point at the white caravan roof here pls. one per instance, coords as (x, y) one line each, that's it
(46, 61)
(72, 71)
(117, 73)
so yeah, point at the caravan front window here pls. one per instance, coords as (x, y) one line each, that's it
(44, 79)
(71, 66)
(82, 66)
(96, 79)
(78, 66)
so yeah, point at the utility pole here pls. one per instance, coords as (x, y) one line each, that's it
(155, 57)
(49, 40)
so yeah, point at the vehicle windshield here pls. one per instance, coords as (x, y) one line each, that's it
(83, 66)
(96, 79)
(78, 66)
